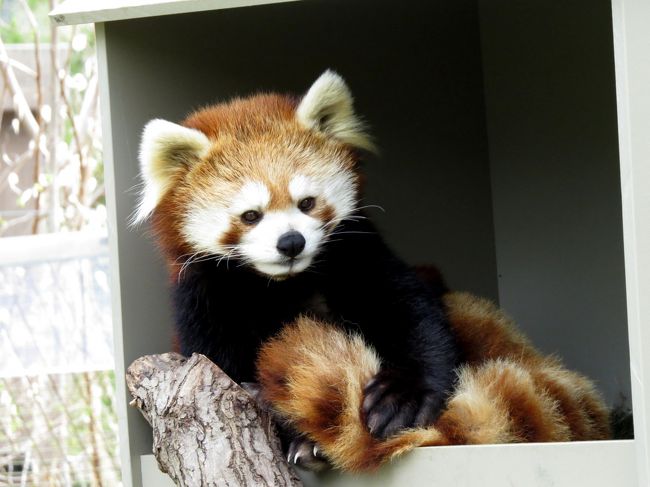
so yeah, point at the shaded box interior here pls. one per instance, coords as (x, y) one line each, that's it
(496, 123)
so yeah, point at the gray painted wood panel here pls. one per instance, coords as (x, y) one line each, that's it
(551, 120)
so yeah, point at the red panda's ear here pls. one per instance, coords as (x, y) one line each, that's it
(327, 107)
(165, 149)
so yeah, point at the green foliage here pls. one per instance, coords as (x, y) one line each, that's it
(63, 403)
(15, 27)
(77, 142)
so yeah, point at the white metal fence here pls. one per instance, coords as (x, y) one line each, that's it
(57, 419)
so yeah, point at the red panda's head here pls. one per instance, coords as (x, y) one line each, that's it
(265, 179)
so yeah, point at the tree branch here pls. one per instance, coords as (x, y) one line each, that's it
(20, 102)
(207, 430)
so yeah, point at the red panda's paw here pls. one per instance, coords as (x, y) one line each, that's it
(395, 400)
(306, 454)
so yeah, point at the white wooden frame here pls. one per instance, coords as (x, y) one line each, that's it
(632, 51)
(592, 464)
(95, 11)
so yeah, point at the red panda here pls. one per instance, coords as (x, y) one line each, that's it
(255, 205)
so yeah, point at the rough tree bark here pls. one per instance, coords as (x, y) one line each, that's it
(207, 430)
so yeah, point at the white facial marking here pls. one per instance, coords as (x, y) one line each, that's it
(204, 225)
(259, 245)
(301, 187)
(253, 195)
(340, 191)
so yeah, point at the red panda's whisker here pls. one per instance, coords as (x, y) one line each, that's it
(184, 267)
(350, 232)
(358, 208)
(186, 263)
(228, 255)
(196, 259)
(355, 218)
(203, 259)
(188, 255)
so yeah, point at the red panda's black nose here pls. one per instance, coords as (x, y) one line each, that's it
(291, 243)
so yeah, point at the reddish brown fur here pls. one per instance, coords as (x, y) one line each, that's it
(243, 117)
(165, 225)
(483, 332)
(324, 212)
(233, 235)
(313, 375)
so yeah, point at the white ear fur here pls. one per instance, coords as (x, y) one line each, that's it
(327, 107)
(165, 148)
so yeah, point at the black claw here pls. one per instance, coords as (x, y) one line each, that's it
(373, 394)
(292, 451)
(428, 412)
(306, 454)
(403, 419)
(382, 413)
(371, 383)
(395, 400)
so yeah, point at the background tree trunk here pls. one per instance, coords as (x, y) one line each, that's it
(207, 430)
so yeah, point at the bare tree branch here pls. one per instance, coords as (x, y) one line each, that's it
(17, 165)
(19, 101)
(201, 418)
(39, 100)
(53, 127)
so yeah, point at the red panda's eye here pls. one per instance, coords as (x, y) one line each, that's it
(307, 204)
(251, 217)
